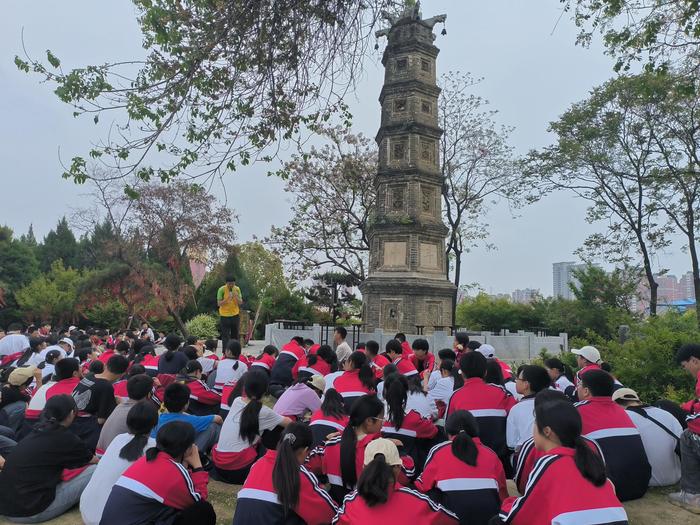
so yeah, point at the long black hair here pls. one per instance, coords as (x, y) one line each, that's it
(237, 390)
(561, 367)
(172, 343)
(375, 480)
(464, 427)
(269, 350)
(234, 348)
(285, 475)
(326, 353)
(494, 373)
(333, 404)
(565, 421)
(56, 410)
(141, 419)
(367, 406)
(450, 366)
(174, 439)
(255, 389)
(359, 362)
(396, 395)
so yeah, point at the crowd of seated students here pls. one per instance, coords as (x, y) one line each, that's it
(132, 432)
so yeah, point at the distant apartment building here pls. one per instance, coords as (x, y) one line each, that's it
(525, 296)
(668, 284)
(686, 288)
(563, 277)
(671, 290)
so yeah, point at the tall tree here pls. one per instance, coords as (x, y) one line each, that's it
(18, 266)
(59, 243)
(477, 166)
(335, 194)
(221, 81)
(657, 31)
(604, 154)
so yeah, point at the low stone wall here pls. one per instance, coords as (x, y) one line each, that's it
(510, 346)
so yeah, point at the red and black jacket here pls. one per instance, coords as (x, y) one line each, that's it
(349, 386)
(204, 401)
(153, 492)
(404, 505)
(266, 362)
(556, 492)
(378, 364)
(473, 493)
(257, 501)
(627, 464)
(405, 366)
(425, 366)
(281, 373)
(528, 456)
(693, 409)
(302, 365)
(322, 425)
(414, 427)
(490, 405)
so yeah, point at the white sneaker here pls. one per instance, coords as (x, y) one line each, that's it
(686, 500)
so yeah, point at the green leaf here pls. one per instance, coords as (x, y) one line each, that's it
(53, 59)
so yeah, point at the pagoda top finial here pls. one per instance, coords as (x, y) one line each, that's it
(411, 11)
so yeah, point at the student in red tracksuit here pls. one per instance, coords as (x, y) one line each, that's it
(422, 359)
(463, 474)
(280, 490)
(409, 427)
(120, 386)
(266, 359)
(688, 357)
(380, 499)
(588, 358)
(330, 418)
(528, 454)
(405, 345)
(376, 360)
(323, 362)
(608, 424)
(568, 484)
(148, 358)
(395, 352)
(356, 381)
(488, 403)
(165, 484)
(204, 401)
(340, 458)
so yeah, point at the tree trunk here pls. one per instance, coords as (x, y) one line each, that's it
(458, 274)
(178, 321)
(653, 285)
(696, 273)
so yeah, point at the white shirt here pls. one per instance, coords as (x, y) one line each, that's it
(47, 371)
(422, 404)
(519, 424)
(343, 351)
(226, 374)
(442, 391)
(207, 364)
(46, 350)
(108, 471)
(13, 344)
(510, 387)
(562, 383)
(230, 439)
(330, 379)
(434, 377)
(659, 446)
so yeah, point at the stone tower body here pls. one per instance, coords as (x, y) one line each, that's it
(407, 286)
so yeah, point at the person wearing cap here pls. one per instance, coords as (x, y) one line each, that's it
(14, 397)
(302, 398)
(489, 404)
(489, 352)
(688, 356)
(611, 427)
(379, 498)
(67, 345)
(660, 433)
(280, 490)
(587, 358)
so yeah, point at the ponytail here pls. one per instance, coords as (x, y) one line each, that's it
(375, 480)
(285, 474)
(56, 410)
(589, 464)
(396, 396)
(140, 420)
(333, 404)
(463, 426)
(449, 365)
(368, 406)
(174, 439)
(255, 388)
(359, 362)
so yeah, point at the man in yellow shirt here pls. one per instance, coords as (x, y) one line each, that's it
(229, 299)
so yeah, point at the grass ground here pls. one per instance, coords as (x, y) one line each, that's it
(653, 509)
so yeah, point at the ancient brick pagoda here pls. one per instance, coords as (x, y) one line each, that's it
(407, 288)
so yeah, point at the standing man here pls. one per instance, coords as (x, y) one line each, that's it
(229, 300)
(342, 349)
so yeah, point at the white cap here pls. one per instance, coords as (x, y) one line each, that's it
(487, 351)
(590, 353)
(71, 328)
(385, 447)
(68, 341)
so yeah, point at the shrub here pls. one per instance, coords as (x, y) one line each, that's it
(203, 326)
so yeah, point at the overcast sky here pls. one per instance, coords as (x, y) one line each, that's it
(532, 72)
